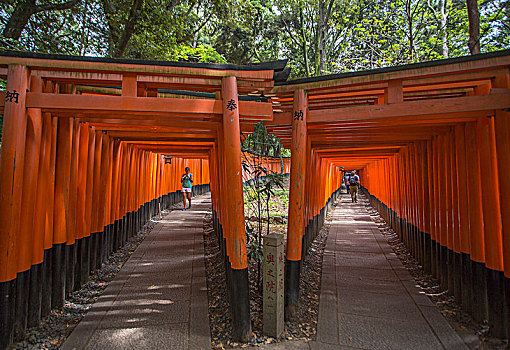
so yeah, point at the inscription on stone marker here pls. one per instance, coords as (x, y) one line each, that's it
(273, 306)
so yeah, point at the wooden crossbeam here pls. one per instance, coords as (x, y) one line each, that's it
(160, 135)
(428, 109)
(179, 123)
(368, 137)
(408, 109)
(143, 105)
(335, 148)
(191, 83)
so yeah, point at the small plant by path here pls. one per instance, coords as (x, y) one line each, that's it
(304, 326)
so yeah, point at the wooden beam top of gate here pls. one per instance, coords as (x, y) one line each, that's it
(143, 105)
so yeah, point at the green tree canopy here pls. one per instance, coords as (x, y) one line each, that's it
(317, 36)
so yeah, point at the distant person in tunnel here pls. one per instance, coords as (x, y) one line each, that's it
(353, 184)
(346, 181)
(186, 180)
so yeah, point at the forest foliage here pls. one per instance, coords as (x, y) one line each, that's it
(317, 36)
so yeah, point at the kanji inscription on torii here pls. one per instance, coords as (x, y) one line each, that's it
(231, 105)
(11, 96)
(273, 307)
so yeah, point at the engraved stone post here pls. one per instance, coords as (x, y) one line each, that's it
(274, 263)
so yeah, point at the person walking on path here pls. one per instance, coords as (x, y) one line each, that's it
(353, 184)
(346, 182)
(186, 180)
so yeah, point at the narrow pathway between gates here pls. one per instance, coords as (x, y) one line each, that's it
(158, 300)
(368, 299)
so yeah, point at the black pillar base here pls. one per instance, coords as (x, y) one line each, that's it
(7, 302)
(443, 266)
(117, 235)
(58, 276)
(427, 253)
(241, 322)
(85, 260)
(507, 300)
(466, 293)
(479, 289)
(498, 322)
(450, 261)
(35, 295)
(100, 249)
(77, 266)
(47, 285)
(21, 305)
(292, 275)
(457, 259)
(433, 258)
(70, 268)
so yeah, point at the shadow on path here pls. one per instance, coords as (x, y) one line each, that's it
(158, 300)
(368, 299)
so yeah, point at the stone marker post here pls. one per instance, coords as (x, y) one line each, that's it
(273, 307)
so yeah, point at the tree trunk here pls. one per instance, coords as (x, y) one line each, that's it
(410, 29)
(443, 19)
(129, 28)
(109, 11)
(474, 26)
(320, 39)
(24, 10)
(305, 48)
(19, 19)
(322, 34)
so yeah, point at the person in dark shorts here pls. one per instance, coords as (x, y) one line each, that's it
(346, 182)
(186, 180)
(353, 184)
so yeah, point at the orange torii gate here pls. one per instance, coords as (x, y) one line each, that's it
(419, 134)
(83, 155)
(431, 142)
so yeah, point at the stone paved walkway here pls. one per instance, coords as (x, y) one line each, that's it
(368, 299)
(158, 300)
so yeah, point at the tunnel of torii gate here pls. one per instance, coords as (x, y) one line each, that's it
(92, 147)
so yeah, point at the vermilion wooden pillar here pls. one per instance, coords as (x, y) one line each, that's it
(11, 170)
(431, 213)
(49, 201)
(462, 185)
(95, 229)
(492, 227)
(31, 255)
(83, 251)
(235, 207)
(89, 185)
(426, 207)
(71, 242)
(436, 247)
(11, 183)
(62, 177)
(450, 281)
(42, 209)
(476, 234)
(296, 223)
(502, 134)
(443, 232)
